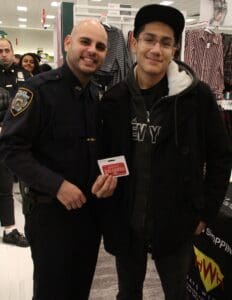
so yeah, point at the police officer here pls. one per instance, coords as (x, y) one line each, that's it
(11, 76)
(50, 141)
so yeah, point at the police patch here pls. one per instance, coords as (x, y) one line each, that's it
(21, 101)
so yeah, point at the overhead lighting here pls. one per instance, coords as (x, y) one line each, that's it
(22, 19)
(22, 8)
(189, 20)
(47, 25)
(96, 0)
(50, 17)
(166, 2)
(22, 25)
(55, 3)
(0, 22)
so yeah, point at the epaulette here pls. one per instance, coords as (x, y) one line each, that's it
(43, 78)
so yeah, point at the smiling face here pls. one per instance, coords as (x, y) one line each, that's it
(154, 49)
(86, 49)
(28, 63)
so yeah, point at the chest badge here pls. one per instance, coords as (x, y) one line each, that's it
(21, 101)
(20, 76)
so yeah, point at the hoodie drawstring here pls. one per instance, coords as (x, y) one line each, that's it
(175, 122)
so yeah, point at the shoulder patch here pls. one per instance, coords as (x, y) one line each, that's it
(21, 101)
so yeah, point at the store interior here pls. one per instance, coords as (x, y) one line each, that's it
(34, 26)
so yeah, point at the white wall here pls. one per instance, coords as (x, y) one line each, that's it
(30, 40)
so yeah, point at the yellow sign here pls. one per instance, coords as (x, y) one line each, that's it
(210, 272)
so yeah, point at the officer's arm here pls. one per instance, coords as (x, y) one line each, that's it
(22, 127)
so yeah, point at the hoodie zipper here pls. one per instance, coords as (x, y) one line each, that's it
(148, 116)
(148, 112)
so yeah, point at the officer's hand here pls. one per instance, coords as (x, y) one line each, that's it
(200, 228)
(70, 195)
(104, 186)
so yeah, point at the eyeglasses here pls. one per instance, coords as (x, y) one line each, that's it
(165, 43)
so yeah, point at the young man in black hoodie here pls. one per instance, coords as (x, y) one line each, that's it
(166, 123)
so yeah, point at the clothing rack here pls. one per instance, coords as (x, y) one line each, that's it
(112, 15)
(205, 24)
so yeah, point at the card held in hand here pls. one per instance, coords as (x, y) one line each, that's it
(115, 166)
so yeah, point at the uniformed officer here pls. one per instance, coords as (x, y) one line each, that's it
(49, 140)
(11, 76)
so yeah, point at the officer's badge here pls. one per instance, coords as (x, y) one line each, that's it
(20, 76)
(21, 101)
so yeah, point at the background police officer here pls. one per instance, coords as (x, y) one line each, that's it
(11, 76)
(49, 141)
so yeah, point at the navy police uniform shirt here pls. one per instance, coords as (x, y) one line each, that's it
(49, 133)
(12, 78)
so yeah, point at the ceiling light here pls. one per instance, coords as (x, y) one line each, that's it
(188, 20)
(166, 2)
(22, 25)
(0, 22)
(22, 19)
(22, 8)
(96, 0)
(55, 3)
(50, 17)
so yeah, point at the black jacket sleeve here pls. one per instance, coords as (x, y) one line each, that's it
(218, 151)
(4, 102)
(21, 129)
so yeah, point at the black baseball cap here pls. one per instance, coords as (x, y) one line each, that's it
(160, 13)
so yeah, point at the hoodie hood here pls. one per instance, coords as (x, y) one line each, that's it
(180, 78)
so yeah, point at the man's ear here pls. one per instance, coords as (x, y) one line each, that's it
(134, 45)
(67, 42)
(174, 51)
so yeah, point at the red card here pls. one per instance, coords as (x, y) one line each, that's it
(115, 166)
(116, 169)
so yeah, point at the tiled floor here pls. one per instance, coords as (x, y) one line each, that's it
(16, 272)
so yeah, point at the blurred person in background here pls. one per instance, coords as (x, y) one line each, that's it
(11, 77)
(17, 58)
(11, 74)
(30, 62)
(45, 67)
(11, 235)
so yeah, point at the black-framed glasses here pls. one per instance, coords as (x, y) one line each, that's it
(165, 43)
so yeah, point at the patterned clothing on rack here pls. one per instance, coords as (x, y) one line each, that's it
(227, 50)
(204, 54)
(118, 60)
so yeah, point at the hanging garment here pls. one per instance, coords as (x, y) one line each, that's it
(118, 60)
(204, 54)
(227, 51)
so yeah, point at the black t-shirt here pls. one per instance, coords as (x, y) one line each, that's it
(154, 93)
(142, 216)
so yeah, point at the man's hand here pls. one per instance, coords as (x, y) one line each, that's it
(70, 195)
(200, 228)
(104, 186)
